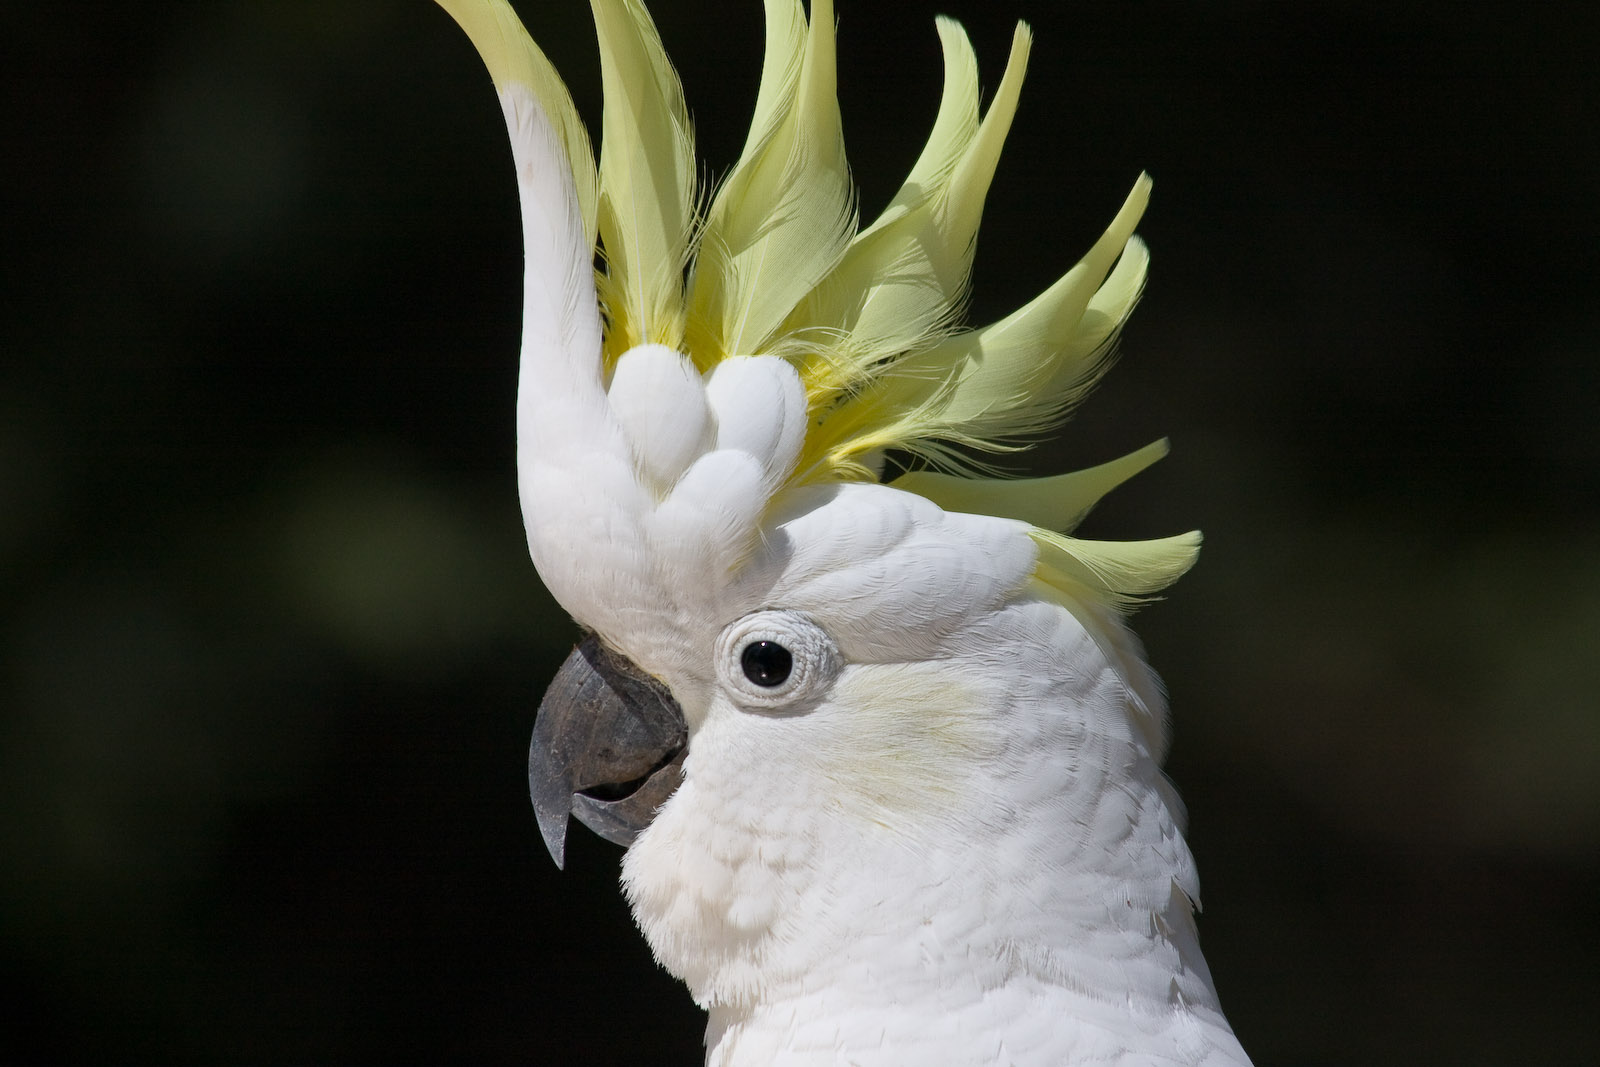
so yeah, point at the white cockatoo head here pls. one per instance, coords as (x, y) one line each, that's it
(826, 711)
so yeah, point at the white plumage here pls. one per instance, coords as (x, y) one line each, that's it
(935, 829)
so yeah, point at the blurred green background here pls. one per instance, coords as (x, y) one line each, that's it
(270, 645)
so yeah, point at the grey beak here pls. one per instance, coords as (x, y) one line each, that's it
(608, 747)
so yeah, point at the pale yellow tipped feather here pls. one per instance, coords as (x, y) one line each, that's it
(983, 387)
(513, 59)
(899, 282)
(776, 267)
(1119, 574)
(647, 181)
(1058, 503)
(784, 215)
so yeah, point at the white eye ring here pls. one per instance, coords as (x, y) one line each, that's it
(746, 647)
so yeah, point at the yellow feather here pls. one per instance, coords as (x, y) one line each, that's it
(962, 205)
(886, 293)
(953, 126)
(1119, 574)
(647, 181)
(780, 69)
(784, 216)
(1055, 503)
(904, 278)
(513, 58)
(983, 387)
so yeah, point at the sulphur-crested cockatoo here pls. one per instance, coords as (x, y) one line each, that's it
(885, 757)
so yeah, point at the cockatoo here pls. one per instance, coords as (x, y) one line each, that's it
(884, 755)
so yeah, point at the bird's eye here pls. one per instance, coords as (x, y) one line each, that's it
(766, 663)
(774, 660)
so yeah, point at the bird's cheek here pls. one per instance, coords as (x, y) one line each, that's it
(905, 741)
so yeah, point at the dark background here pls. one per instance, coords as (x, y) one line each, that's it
(270, 644)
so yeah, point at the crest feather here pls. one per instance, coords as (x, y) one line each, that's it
(1118, 574)
(1059, 502)
(785, 214)
(647, 181)
(513, 59)
(902, 279)
(982, 388)
(865, 320)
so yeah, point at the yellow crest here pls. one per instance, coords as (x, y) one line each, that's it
(777, 264)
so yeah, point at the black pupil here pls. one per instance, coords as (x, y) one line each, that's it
(766, 662)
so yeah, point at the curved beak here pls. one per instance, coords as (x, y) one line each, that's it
(608, 747)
